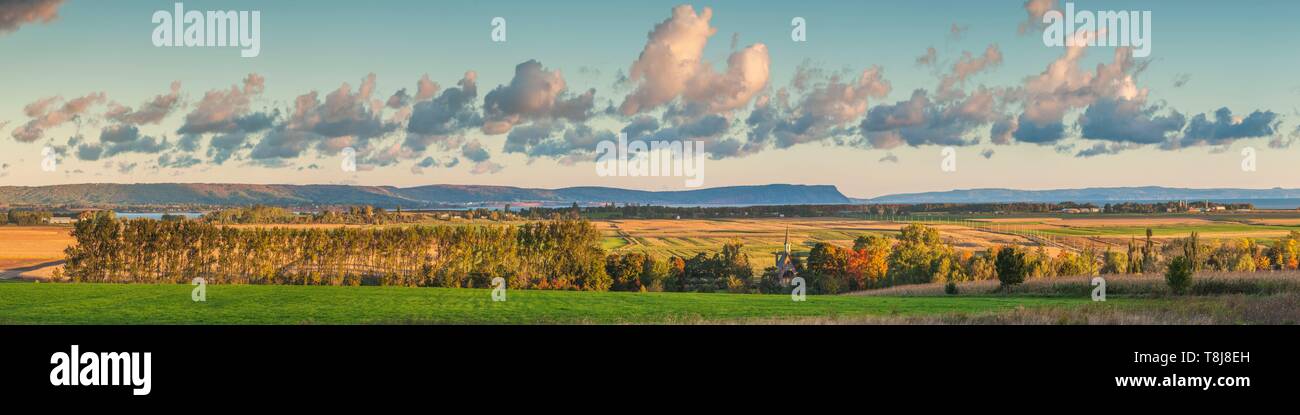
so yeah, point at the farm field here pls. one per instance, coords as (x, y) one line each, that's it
(663, 238)
(46, 303)
(32, 252)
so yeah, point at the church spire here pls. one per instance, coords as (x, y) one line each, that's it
(787, 240)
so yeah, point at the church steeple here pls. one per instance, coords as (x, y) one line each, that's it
(787, 241)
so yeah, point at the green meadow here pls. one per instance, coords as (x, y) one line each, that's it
(67, 303)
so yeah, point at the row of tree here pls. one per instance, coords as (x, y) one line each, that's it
(25, 217)
(725, 270)
(566, 254)
(918, 255)
(361, 215)
(546, 255)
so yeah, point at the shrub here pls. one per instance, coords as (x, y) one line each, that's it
(1179, 274)
(1011, 266)
(950, 288)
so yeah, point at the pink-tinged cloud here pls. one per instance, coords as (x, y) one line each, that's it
(151, 112)
(16, 13)
(219, 109)
(48, 113)
(533, 94)
(1035, 10)
(967, 66)
(671, 66)
(426, 89)
(1064, 85)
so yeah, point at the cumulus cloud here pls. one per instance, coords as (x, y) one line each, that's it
(450, 113)
(89, 152)
(1065, 86)
(1035, 10)
(1226, 128)
(346, 118)
(824, 109)
(1029, 131)
(52, 112)
(475, 152)
(533, 94)
(177, 161)
(922, 121)
(967, 66)
(430, 162)
(151, 112)
(930, 57)
(120, 140)
(1123, 120)
(1002, 130)
(16, 13)
(398, 100)
(671, 66)
(1280, 142)
(1101, 149)
(220, 110)
(551, 140)
(119, 134)
(640, 126)
(282, 143)
(486, 167)
(425, 88)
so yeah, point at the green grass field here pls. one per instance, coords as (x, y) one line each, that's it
(53, 303)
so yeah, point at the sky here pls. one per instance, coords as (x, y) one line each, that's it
(419, 92)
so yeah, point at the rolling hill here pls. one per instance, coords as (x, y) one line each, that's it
(1091, 194)
(217, 194)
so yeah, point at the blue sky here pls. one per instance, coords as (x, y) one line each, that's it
(1224, 55)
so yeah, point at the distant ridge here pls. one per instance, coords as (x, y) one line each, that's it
(1091, 194)
(218, 194)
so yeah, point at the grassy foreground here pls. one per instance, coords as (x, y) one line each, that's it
(46, 303)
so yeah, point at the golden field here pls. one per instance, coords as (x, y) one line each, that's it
(25, 247)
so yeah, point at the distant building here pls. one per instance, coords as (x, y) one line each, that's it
(62, 220)
(785, 262)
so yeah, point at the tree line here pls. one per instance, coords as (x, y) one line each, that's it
(565, 254)
(555, 255)
(639, 211)
(25, 217)
(917, 256)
